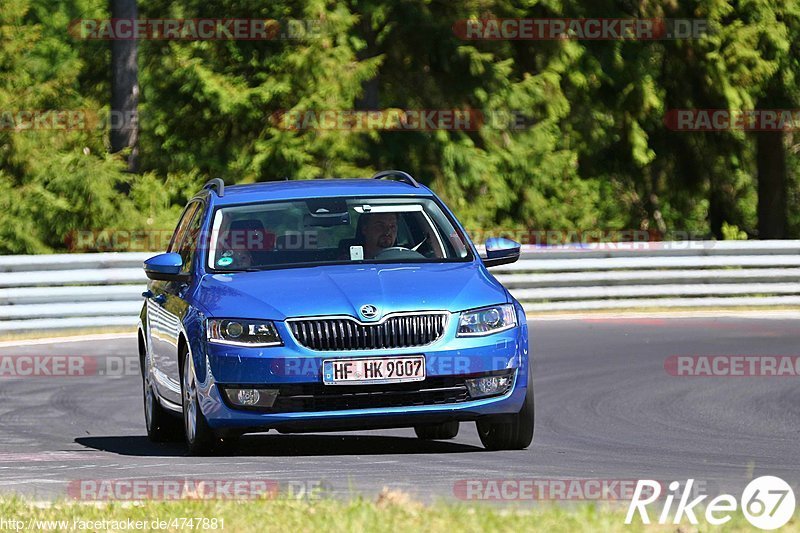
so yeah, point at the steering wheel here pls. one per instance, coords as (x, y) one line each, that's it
(396, 248)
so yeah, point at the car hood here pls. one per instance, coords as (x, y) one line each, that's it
(343, 289)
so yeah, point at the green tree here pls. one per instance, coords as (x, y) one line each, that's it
(52, 181)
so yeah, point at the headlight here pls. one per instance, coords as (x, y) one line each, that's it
(242, 332)
(487, 320)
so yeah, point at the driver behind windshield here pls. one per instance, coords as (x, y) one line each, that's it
(377, 231)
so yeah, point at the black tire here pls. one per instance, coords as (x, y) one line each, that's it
(443, 431)
(200, 438)
(514, 433)
(162, 425)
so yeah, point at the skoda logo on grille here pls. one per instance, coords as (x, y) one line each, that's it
(369, 311)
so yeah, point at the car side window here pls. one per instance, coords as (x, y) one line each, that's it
(180, 230)
(188, 245)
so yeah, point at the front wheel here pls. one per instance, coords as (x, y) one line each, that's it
(515, 433)
(161, 425)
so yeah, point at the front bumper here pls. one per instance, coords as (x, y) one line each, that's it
(293, 367)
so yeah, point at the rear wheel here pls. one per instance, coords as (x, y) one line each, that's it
(443, 431)
(162, 426)
(515, 433)
(200, 438)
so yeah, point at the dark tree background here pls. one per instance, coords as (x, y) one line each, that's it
(593, 152)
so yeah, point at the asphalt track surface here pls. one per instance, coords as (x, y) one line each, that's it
(606, 409)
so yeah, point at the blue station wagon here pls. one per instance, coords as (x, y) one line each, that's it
(330, 305)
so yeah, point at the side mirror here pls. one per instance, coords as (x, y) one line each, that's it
(501, 251)
(165, 267)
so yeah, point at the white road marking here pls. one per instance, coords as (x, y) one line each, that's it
(75, 338)
(46, 456)
(750, 314)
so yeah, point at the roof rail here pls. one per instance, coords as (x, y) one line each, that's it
(399, 174)
(216, 183)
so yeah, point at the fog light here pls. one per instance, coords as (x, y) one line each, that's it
(489, 386)
(248, 396)
(251, 397)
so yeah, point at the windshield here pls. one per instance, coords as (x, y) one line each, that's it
(315, 231)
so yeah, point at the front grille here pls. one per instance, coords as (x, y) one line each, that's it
(345, 333)
(318, 397)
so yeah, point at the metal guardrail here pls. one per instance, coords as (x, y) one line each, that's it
(694, 274)
(56, 292)
(70, 291)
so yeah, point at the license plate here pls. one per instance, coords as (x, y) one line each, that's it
(373, 371)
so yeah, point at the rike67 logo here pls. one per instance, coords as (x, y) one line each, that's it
(767, 502)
